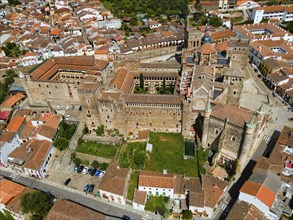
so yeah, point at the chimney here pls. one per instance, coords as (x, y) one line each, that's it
(165, 172)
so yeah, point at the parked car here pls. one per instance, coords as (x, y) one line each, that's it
(93, 172)
(75, 169)
(69, 107)
(91, 188)
(67, 117)
(84, 171)
(98, 172)
(126, 217)
(86, 188)
(101, 175)
(89, 171)
(255, 70)
(67, 181)
(60, 107)
(80, 169)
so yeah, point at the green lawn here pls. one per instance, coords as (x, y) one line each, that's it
(133, 184)
(129, 157)
(168, 154)
(97, 149)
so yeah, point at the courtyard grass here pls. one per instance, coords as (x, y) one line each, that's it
(97, 149)
(168, 154)
(130, 157)
(133, 184)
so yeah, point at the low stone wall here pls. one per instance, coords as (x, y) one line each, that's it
(92, 158)
(103, 140)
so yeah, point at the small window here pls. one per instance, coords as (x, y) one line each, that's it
(39, 85)
(234, 92)
(233, 138)
(216, 131)
(88, 101)
(136, 124)
(47, 86)
(49, 93)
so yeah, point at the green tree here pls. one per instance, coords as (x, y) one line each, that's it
(95, 164)
(139, 159)
(100, 131)
(104, 166)
(164, 87)
(215, 21)
(77, 161)
(13, 2)
(186, 215)
(134, 21)
(37, 203)
(141, 81)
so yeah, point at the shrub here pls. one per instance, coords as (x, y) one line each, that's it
(85, 162)
(104, 166)
(100, 130)
(95, 164)
(77, 161)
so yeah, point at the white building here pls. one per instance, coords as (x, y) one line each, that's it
(154, 24)
(277, 12)
(9, 141)
(114, 184)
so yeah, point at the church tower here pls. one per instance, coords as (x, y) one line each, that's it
(206, 121)
(246, 144)
(194, 38)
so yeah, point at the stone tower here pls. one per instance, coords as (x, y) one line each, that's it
(206, 121)
(246, 144)
(260, 112)
(194, 38)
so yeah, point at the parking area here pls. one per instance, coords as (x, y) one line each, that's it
(78, 180)
(70, 112)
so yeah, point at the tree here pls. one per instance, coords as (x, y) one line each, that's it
(85, 130)
(164, 87)
(95, 164)
(13, 2)
(5, 215)
(186, 215)
(104, 166)
(215, 21)
(77, 161)
(134, 21)
(138, 159)
(37, 203)
(141, 81)
(100, 130)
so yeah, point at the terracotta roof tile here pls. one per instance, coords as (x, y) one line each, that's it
(214, 189)
(12, 100)
(9, 190)
(250, 188)
(64, 209)
(273, 8)
(207, 49)
(140, 197)
(7, 136)
(15, 123)
(223, 34)
(156, 179)
(40, 150)
(115, 179)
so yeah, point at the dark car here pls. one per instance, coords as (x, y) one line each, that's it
(80, 169)
(90, 170)
(67, 181)
(126, 217)
(91, 188)
(86, 188)
(93, 172)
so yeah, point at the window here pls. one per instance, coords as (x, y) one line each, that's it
(233, 138)
(88, 101)
(234, 92)
(216, 131)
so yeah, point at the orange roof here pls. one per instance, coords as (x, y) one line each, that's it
(206, 49)
(250, 188)
(15, 123)
(40, 150)
(28, 54)
(222, 46)
(9, 190)
(156, 179)
(102, 51)
(56, 31)
(259, 191)
(274, 8)
(12, 100)
(240, 2)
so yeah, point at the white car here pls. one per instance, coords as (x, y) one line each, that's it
(60, 107)
(69, 107)
(84, 171)
(67, 117)
(101, 175)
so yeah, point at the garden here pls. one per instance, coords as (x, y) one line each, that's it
(168, 154)
(97, 149)
(133, 156)
(64, 134)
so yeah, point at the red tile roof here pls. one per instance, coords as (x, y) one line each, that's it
(15, 123)
(4, 115)
(12, 100)
(9, 190)
(156, 179)
(140, 197)
(40, 150)
(207, 49)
